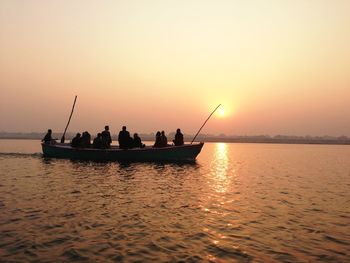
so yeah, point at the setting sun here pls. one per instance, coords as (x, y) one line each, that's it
(221, 112)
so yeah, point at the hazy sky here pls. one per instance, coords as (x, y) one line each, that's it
(278, 67)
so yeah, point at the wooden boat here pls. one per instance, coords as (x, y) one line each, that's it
(184, 153)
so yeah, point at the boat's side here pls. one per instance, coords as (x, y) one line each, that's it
(187, 152)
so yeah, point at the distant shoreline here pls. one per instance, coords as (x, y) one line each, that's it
(279, 139)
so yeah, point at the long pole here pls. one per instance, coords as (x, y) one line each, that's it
(205, 123)
(70, 116)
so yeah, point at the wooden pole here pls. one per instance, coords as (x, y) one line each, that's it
(205, 123)
(70, 116)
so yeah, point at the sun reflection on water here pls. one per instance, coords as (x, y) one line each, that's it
(220, 168)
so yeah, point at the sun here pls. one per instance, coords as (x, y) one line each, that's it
(221, 112)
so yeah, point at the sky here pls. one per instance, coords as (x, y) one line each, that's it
(277, 67)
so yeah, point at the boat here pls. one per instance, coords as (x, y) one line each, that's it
(171, 153)
(183, 153)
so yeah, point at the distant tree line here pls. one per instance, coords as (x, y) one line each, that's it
(206, 138)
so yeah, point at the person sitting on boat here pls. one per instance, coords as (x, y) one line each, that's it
(106, 137)
(124, 139)
(76, 141)
(179, 138)
(137, 141)
(48, 138)
(157, 143)
(163, 139)
(98, 143)
(86, 140)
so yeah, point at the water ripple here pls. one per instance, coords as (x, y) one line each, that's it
(238, 203)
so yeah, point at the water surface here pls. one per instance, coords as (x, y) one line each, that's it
(237, 203)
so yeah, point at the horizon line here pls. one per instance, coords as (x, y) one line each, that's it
(221, 135)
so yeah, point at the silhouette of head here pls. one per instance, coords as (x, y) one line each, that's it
(106, 127)
(124, 128)
(135, 135)
(78, 134)
(158, 133)
(178, 130)
(162, 132)
(49, 131)
(99, 134)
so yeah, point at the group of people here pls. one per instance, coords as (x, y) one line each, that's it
(103, 140)
(162, 140)
(81, 140)
(127, 142)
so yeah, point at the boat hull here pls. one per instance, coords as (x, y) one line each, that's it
(184, 153)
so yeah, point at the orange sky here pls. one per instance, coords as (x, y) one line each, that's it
(278, 67)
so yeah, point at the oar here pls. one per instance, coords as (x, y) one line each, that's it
(70, 116)
(205, 123)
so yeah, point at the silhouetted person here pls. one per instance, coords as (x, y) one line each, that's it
(179, 138)
(98, 143)
(106, 137)
(86, 140)
(76, 141)
(137, 141)
(163, 139)
(158, 142)
(48, 137)
(124, 139)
